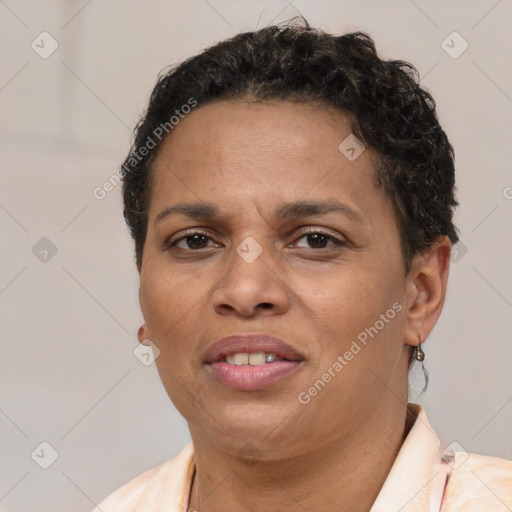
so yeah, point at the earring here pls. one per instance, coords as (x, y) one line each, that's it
(419, 355)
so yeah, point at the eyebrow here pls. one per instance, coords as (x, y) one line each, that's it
(295, 210)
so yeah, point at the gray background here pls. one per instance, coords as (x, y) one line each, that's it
(68, 374)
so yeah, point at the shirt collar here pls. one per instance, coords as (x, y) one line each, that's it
(407, 487)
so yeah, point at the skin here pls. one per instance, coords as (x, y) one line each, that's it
(335, 452)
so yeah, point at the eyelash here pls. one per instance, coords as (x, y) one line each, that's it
(336, 241)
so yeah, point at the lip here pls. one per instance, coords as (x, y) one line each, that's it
(251, 378)
(248, 377)
(250, 343)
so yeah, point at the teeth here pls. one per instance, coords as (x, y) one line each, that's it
(241, 359)
(255, 359)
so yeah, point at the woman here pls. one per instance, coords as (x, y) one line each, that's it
(290, 196)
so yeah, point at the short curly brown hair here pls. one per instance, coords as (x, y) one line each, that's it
(391, 113)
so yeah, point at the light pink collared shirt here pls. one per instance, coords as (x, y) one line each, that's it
(420, 480)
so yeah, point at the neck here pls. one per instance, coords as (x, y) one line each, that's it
(342, 475)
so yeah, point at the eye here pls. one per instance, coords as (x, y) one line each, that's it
(191, 241)
(317, 239)
(196, 240)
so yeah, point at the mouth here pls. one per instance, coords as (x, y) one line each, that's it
(249, 362)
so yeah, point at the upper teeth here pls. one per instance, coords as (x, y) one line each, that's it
(254, 359)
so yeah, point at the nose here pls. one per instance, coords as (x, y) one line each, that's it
(249, 288)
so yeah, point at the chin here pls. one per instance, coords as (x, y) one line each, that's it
(264, 425)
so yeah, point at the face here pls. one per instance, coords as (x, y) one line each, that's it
(329, 282)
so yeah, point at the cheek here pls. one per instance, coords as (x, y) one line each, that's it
(166, 303)
(350, 302)
(166, 292)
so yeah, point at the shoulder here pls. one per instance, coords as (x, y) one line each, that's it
(145, 491)
(478, 482)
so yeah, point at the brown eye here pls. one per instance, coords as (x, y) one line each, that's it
(192, 241)
(319, 240)
(196, 241)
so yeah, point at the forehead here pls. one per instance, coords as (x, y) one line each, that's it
(268, 151)
(266, 130)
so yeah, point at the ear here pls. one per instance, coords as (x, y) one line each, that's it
(143, 332)
(426, 288)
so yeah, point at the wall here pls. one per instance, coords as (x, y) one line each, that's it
(69, 316)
